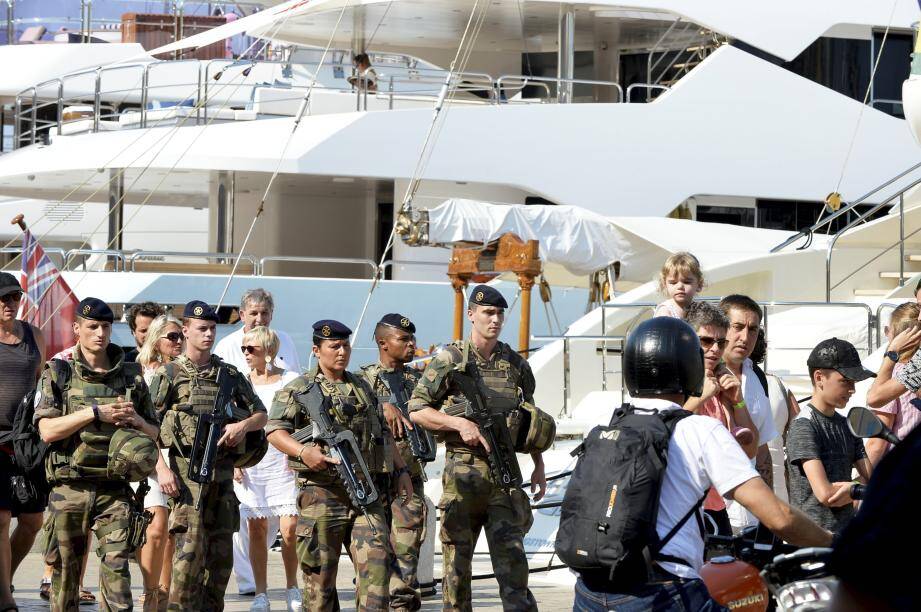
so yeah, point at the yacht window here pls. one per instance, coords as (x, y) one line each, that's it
(793, 215)
(733, 215)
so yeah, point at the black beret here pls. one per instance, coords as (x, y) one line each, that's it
(196, 309)
(398, 321)
(484, 295)
(328, 329)
(95, 309)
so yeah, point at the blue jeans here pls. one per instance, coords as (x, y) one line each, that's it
(689, 595)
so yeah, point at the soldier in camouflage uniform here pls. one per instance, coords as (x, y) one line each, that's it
(471, 499)
(396, 342)
(327, 515)
(182, 390)
(84, 404)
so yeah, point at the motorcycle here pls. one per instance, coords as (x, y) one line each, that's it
(759, 573)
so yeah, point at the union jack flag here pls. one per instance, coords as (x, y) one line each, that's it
(47, 301)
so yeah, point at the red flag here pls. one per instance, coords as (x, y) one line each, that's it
(47, 301)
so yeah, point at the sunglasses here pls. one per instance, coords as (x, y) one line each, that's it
(706, 342)
(249, 349)
(11, 297)
(173, 336)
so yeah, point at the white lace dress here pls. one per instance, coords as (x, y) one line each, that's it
(268, 488)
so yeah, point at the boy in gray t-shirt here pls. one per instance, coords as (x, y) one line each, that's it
(821, 450)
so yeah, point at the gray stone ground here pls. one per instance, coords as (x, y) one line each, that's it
(549, 596)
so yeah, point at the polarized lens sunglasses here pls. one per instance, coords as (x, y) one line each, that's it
(706, 342)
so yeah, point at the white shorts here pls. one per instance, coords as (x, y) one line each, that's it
(155, 496)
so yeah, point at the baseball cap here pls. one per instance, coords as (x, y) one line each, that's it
(8, 284)
(841, 356)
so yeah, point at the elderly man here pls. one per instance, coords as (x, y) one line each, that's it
(256, 309)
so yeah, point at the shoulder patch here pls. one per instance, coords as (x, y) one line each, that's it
(430, 374)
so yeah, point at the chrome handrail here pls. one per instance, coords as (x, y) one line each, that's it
(646, 86)
(558, 81)
(766, 309)
(848, 208)
(401, 262)
(133, 257)
(334, 260)
(119, 256)
(48, 251)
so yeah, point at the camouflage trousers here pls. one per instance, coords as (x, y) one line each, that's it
(407, 530)
(73, 509)
(327, 520)
(204, 539)
(471, 501)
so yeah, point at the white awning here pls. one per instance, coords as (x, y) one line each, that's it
(579, 240)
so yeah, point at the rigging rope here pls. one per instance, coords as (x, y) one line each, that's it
(866, 98)
(448, 92)
(305, 102)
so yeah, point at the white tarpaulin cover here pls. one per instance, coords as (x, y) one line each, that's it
(579, 240)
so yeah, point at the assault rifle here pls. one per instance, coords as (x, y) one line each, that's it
(421, 442)
(493, 428)
(352, 469)
(208, 431)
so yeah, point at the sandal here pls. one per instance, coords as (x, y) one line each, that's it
(86, 598)
(163, 599)
(44, 590)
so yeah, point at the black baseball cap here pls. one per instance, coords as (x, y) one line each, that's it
(9, 284)
(841, 356)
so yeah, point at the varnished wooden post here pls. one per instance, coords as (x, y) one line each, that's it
(526, 283)
(459, 283)
(20, 221)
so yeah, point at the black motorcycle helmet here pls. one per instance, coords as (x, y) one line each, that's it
(662, 356)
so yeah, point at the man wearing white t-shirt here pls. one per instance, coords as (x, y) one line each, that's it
(256, 309)
(745, 317)
(701, 453)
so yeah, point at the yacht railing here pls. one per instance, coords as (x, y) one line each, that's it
(372, 267)
(198, 91)
(225, 258)
(856, 217)
(646, 309)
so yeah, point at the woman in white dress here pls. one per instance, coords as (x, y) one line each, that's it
(163, 344)
(267, 491)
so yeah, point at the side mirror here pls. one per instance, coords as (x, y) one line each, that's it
(864, 424)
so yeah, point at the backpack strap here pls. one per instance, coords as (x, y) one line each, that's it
(694, 511)
(61, 375)
(762, 378)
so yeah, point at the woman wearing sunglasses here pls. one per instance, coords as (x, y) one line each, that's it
(163, 344)
(267, 491)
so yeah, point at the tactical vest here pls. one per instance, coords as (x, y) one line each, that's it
(85, 454)
(361, 414)
(500, 383)
(370, 373)
(193, 394)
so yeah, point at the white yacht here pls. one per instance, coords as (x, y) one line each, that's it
(771, 141)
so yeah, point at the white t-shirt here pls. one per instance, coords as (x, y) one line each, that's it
(701, 453)
(228, 349)
(759, 406)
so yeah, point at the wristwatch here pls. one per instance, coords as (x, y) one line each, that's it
(95, 407)
(894, 356)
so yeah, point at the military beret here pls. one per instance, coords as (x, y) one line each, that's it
(398, 321)
(196, 309)
(95, 309)
(484, 295)
(328, 329)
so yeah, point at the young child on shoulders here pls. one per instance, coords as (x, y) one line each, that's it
(680, 279)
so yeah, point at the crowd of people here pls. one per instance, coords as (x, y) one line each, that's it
(749, 453)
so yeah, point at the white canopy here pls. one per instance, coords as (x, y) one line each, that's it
(579, 240)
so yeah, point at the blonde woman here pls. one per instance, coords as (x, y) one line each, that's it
(267, 491)
(163, 344)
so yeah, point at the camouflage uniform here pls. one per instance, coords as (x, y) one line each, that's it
(204, 539)
(83, 496)
(327, 516)
(471, 500)
(407, 519)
